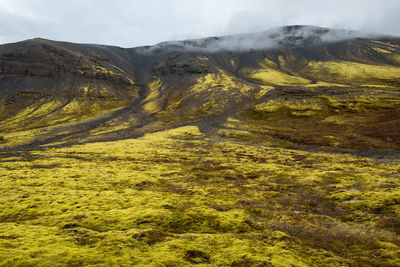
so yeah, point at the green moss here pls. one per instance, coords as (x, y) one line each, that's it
(275, 77)
(263, 90)
(353, 73)
(220, 82)
(282, 165)
(152, 104)
(302, 108)
(176, 197)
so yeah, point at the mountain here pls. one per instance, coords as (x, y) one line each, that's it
(278, 147)
(82, 89)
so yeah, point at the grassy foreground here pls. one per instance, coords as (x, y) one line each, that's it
(178, 197)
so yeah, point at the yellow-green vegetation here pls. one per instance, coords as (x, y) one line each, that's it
(178, 198)
(271, 75)
(112, 126)
(360, 119)
(325, 84)
(46, 115)
(386, 44)
(202, 58)
(105, 71)
(295, 108)
(353, 73)
(364, 102)
(267, 63)
(220, 82)
(286, 62)
(19, 137)
(31, 111)
(82, 109)
(152, 103)
(274, 77)
(212, 94)
(380, 50)
(263, 90)
(388, 50)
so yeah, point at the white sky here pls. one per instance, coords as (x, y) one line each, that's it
(142, 22)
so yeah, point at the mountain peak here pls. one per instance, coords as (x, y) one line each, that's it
(286, 36)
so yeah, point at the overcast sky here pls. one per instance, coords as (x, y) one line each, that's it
(130, 23)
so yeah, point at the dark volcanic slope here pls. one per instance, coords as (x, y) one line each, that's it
(296, 86)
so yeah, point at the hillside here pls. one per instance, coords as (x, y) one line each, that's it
(277, 148)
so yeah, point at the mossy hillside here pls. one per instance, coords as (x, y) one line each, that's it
(353, 63)
(113, 125)
(358, 102)
(286, 72)
(177, 197)
(99, 68)
(272, 76)
(212, 94)
(353, 73)
(153, 102)
(353, 120)
(120, 73)
(47, 116)
(391, 52)
(222, 85)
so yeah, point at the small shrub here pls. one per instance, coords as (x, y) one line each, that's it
(151, 236)
(197, 257)
(392, 223)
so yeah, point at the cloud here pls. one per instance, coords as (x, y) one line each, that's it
(288, 36)
(365, 15)
(131, 23)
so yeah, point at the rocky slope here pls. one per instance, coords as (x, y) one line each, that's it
(307, 71)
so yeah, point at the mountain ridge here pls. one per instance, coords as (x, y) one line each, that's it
(304, 31)
(96, 79)
(286, 36)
